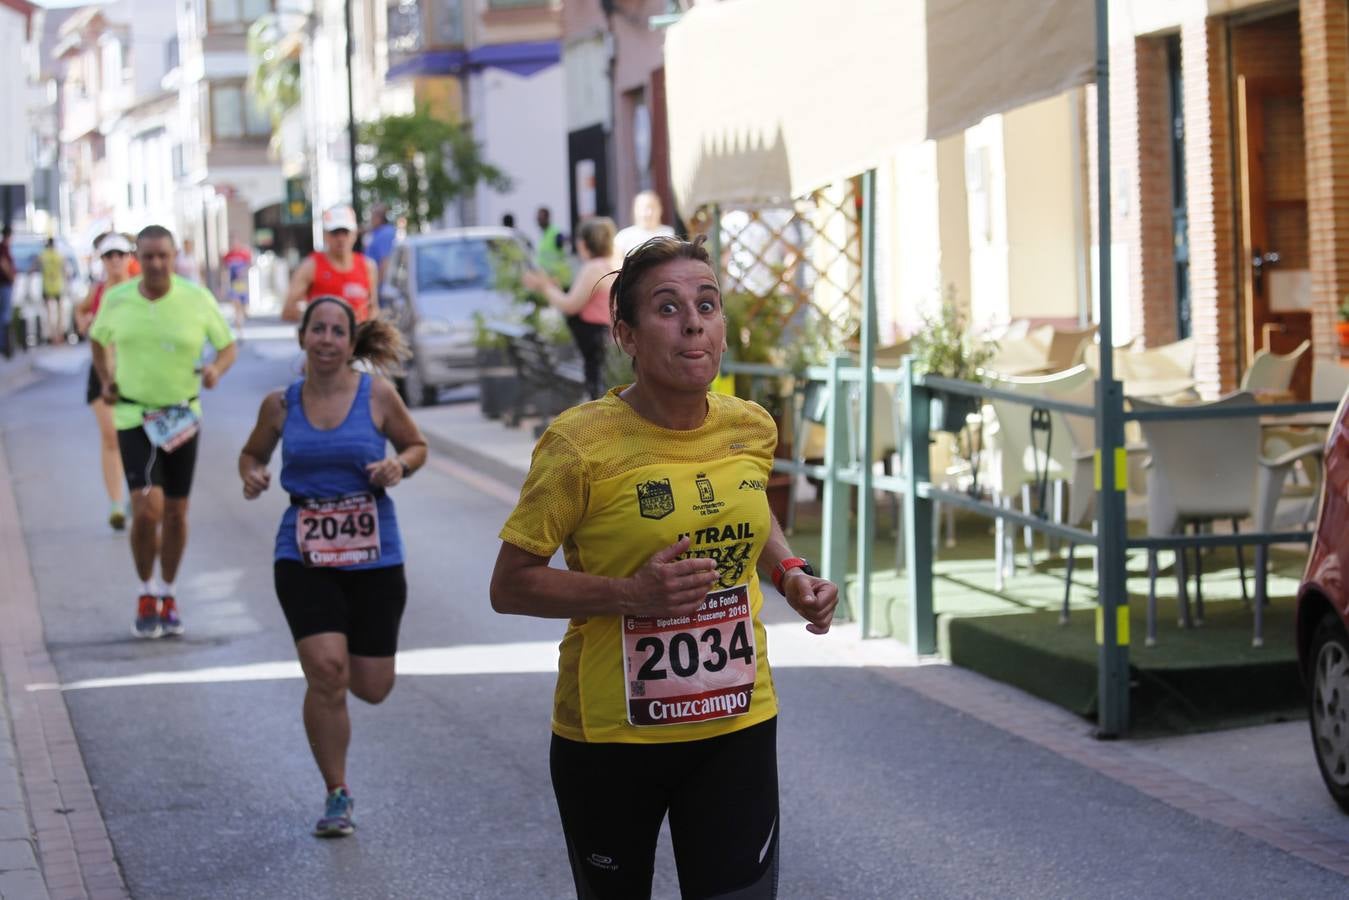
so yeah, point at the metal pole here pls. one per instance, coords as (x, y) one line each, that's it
(866, 498)
(1112, 624)
(351, 117)
(834, 528)
(918, 516)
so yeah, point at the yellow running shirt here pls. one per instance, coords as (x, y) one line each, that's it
(612, 488)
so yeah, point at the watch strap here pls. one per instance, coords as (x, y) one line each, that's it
(791, 562)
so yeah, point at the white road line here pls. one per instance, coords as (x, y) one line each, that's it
(790, 647)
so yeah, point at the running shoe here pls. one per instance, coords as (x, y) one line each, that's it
(169, 621)
(117, 517)
(147, 617)
(336, 821)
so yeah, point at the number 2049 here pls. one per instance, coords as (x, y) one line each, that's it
(684, 655)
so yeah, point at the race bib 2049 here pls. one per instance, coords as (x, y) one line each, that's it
(341, 531)
(691, 668)
(171, 427)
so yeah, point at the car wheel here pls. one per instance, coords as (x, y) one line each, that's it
(1329, 706)
(415, 391)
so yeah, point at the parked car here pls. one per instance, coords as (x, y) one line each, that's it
(1323, 617)
(435, 286)
(28, 306)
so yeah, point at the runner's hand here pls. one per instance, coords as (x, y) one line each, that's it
(668, 585)
(813, 599)
(210, 376)
(110, 392)
(386, 473)
(256, 481)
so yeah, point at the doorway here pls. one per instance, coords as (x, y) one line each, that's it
(1275, 275)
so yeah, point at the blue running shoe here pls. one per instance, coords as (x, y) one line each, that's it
(169, 622)
(147, 617)
(336, 821)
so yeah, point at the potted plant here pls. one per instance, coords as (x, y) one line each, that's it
(943, 346)
(498, 382)
(1342, 326)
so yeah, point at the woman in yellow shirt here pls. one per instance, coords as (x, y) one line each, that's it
(664, 700)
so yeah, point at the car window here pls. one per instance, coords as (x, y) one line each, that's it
(454, 265)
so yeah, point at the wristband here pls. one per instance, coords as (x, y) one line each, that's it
(791, 562)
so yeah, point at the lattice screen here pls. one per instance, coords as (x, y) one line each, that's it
(802, 262)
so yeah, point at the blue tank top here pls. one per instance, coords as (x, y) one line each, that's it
(319, 464)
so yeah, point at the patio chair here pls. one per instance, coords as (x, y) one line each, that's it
(1018, 460)
(1081, 432)
(1203, 470)
(1028, 355)
(1164, 373)
(1067, 347)
(1272, 373)
(1330, 380)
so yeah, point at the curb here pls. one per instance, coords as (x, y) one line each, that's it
(45, 793)
(479, 459)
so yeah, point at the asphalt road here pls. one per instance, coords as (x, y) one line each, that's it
(203, 774)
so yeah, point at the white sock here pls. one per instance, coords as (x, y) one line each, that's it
(166, 589)
(148, 587)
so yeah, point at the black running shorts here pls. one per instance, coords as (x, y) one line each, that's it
(722, 798)
(364, 604)
(94, 389)
(146, 465)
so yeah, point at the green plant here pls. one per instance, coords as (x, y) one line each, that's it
(943, 345)
(528, 308)
(1344, 309)
(274, 76)
(417, 164)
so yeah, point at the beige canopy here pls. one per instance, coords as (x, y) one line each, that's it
(770, 99)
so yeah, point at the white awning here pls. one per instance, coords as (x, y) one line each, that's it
(770, 99)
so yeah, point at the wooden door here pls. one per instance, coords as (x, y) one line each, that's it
(1277, 275)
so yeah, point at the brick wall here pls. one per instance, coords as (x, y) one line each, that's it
(1154, 234)
(1325, 98)
(1212, 209)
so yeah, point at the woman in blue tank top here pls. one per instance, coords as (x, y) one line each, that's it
(339, 556)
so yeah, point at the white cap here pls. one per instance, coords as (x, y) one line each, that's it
(336, 218)
(113, 243)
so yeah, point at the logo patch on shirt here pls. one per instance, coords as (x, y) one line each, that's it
(705, 492)
(655, 498)
(752, 484)
(738, 446)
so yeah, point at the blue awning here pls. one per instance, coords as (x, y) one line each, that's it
(524, 59)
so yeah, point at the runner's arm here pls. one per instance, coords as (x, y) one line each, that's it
(103, 366)
(258, 449)
(573, 301)
(372, 269)
(82, 318)
(524, 584)
(212, 372)
(396, 423)
(300, 280)
(813, 598)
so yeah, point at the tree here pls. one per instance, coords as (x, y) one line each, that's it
(418, 164)
(274, 74)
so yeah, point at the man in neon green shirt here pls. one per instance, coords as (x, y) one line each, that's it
(159, 324)
(53, 267)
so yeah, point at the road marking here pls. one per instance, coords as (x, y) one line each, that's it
(474, 479)
(792, 648)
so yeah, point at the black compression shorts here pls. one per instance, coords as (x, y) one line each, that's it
(722, 798)
(94, 389)
(364, 604)
(145, 465)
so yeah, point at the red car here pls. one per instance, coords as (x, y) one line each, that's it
(1323, 618)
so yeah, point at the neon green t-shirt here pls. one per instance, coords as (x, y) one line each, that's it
(53, 271)
(159, 344)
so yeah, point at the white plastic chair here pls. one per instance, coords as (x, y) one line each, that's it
(1202, 470)
(1330, 381)
(1017, 459)
(1273, 371)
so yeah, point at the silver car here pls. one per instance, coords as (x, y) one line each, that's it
(435, 287)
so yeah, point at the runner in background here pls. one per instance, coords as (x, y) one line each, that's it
(54, 268)
(664, 700)
(646, 224)
(114, 252)
(234, 268)
(159, 324)
(185, 264)
(339, 556)
(335, 271)
(383, 234)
